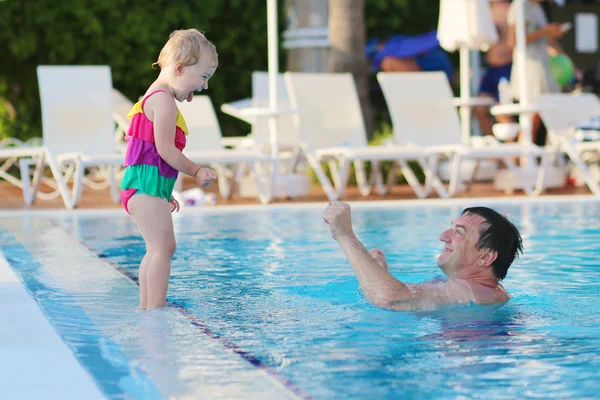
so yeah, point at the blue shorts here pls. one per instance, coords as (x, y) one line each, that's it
(491, 79)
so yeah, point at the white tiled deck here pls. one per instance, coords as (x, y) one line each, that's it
(34, 361)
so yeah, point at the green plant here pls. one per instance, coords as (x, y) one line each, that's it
(127, 36)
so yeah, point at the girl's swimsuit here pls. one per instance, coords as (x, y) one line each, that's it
(145, 171)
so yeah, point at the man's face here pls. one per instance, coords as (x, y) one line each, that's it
(459, 250)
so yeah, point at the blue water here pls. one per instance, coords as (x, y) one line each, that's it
(275, 285)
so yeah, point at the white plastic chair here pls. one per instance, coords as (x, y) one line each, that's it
(205, 146)
(331, 129)
(423, 114)
(77, 121)
(26, 154)
(561, 113)
(287, 134)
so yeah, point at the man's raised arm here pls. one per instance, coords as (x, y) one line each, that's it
(378, 285)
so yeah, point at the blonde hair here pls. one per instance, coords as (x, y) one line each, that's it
(186, 46)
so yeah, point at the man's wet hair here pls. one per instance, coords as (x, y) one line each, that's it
(498, 234)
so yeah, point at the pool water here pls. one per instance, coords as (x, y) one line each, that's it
(272, 287)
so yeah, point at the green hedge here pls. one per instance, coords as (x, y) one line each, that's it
(128, 35)
(409, 17)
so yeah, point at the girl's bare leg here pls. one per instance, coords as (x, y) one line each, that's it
(142, 281)
(153, 217)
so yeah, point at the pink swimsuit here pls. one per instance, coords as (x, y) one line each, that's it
(146, 172)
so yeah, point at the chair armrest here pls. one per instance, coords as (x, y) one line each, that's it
(234, 109)
(473, 102)
(514, 109)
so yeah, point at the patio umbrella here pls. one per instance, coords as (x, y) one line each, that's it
(466, 25)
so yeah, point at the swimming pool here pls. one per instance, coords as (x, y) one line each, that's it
(264, 305)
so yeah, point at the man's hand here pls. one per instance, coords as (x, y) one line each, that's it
(339, 218)
(205, 177)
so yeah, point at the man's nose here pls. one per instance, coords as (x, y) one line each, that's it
(445, 237)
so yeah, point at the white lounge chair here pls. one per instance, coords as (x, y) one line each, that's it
(31, 154)
(246, 110)
(561, 113)
(331, 129)
(78, 129)
(205, 146)
(287, 135)
(423, 114)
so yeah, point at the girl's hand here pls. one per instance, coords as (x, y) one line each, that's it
(205, 177)
(173, 205)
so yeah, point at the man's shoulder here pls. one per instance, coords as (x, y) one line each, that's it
(488, 295)
(436, 292)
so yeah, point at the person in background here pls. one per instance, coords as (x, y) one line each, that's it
(402, 53)
(499, 62)
(540, 36)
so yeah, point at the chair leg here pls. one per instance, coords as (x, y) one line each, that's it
(8, 177)
(472, 176)
(335, 173)
(541, 175)
(60, 183)
(589, 180)
(376, 178)
(325, 183)
(224, 181)
(78, 182)
(37, 175)
(435, 181)
(67, 174)
(265, 186)
(364, 186)
(344, 175)
(528, 189)
(431, 179)
(454, 175)
(412, 179)
(24, 163)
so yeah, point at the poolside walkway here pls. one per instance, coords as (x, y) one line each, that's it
(11, 196)
(36, 363)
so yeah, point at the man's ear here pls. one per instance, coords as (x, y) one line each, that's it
(487, 258)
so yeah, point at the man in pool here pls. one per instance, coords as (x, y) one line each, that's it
(477, 251)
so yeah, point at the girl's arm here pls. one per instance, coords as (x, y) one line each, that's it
(161, 109)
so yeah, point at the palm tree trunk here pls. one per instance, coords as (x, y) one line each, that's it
(347, 35)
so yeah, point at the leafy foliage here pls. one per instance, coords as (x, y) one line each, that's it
(127, 35)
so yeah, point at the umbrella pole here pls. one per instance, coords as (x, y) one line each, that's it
(273, 54)
(465, 94)
(525, 119)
